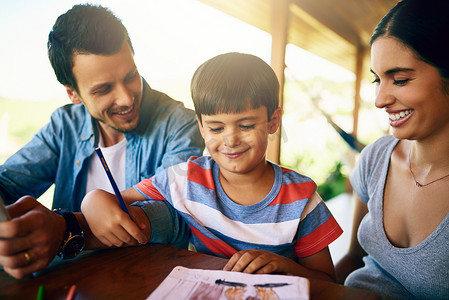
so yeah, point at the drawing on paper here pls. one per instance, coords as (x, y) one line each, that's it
(195, 284)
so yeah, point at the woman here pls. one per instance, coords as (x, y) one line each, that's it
(403, 180)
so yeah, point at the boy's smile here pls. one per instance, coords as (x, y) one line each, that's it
(238, 141)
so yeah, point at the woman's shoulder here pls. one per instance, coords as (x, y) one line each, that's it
(384, 141)
(383, 146)
(372, 166)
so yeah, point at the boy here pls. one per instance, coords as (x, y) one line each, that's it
(233, 203)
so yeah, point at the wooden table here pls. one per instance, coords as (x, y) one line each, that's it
(133, 273)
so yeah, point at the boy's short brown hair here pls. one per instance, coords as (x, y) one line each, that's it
(234, 82)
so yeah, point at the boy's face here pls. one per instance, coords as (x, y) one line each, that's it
(238, 141)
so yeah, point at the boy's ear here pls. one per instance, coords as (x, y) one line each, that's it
(200, 126)
(73, 95)
(275, 121)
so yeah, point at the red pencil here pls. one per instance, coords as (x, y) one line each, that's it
(71, 293)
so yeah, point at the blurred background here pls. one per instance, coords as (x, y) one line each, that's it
(319, 50)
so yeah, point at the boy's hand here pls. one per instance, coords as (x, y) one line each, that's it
(109, 223)
(258, 262)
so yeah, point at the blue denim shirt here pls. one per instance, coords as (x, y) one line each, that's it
(59, 153)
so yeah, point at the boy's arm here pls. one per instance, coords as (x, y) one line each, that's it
(316, 262)
(110, 224)
(92, 242)
(318, 265)
(353, 259)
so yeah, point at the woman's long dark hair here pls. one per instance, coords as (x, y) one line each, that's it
(422, 25)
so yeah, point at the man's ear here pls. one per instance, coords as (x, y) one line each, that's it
(73, 95)
(275, 121)
(200, 126)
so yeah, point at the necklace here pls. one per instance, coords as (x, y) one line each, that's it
(418, 184)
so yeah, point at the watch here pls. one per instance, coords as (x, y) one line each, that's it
(73, 242)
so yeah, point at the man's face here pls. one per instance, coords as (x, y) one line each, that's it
(111, 89)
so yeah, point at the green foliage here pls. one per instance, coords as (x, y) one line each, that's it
(334, 185)
(311, 145)
(26, 117)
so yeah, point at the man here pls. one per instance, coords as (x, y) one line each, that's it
(139, 129)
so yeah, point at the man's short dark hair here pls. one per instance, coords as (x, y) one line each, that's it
(83, 29)
(234, 82)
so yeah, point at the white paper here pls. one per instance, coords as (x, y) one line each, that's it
(184, 283)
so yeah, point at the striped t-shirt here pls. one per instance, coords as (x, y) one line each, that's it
(291, 220)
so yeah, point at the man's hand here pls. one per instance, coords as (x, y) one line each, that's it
(31, 239)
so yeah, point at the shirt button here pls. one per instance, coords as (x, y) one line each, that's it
(77, 162)
(83, 137)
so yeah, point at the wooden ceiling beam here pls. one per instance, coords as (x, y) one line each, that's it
(336, 30)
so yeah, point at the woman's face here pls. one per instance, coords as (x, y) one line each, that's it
(409, 89)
